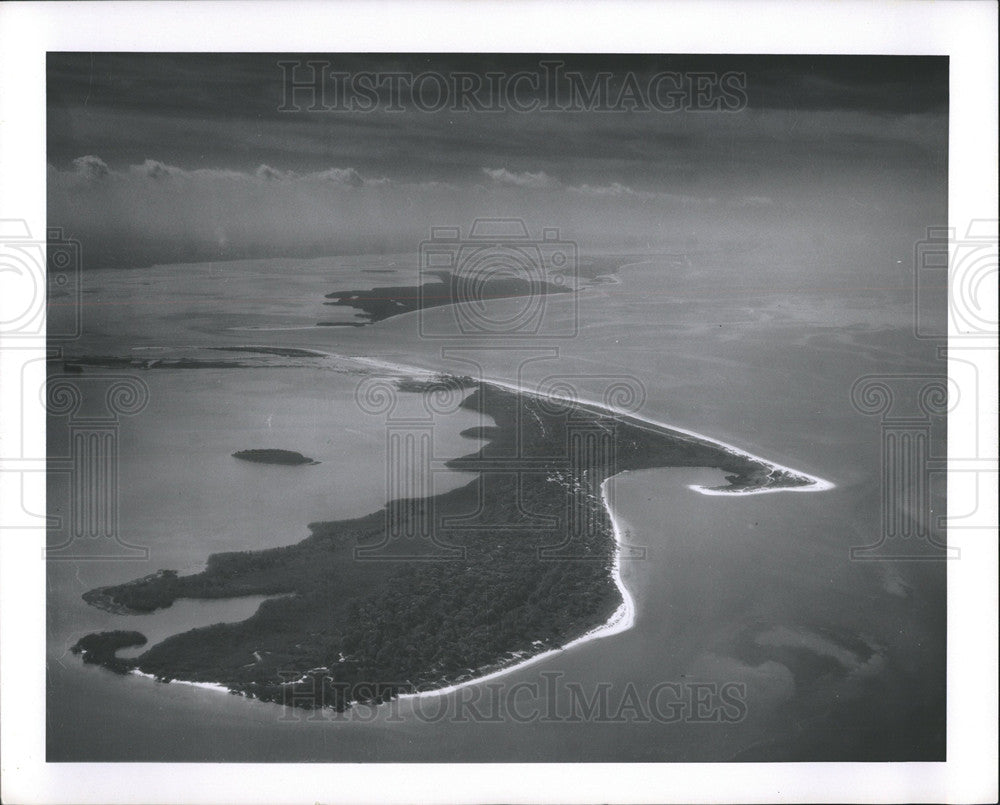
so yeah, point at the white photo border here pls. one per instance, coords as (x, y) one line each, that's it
(964, 31)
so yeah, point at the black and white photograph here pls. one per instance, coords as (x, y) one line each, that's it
(515, 404)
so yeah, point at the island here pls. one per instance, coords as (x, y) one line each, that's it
(431, 592)
(273, 456)
(450, 288)
(100, 649)
(378, 304)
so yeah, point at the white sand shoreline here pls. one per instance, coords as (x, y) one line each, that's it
(217, 687)
(816, 484)
(623, 618)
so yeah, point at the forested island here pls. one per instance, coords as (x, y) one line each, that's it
(274, 456)
(431, 591)
(100, 649)
(377, 304)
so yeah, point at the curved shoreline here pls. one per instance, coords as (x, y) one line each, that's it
(623, 618)
(217, 687)
(816, 484)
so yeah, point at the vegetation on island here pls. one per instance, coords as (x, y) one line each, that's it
(430, 591)
(376, 304)
(101, 648)
(273, 456)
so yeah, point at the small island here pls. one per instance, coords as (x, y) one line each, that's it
(101, 648)
(273, 456)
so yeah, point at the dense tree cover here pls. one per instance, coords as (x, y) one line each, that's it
(100, 648)
(269, 455)
(377, 304)
(519, 562)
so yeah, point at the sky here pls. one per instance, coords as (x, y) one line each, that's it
(159, 158)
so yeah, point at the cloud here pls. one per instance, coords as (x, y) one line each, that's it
(269, 174)
(212, 174)
(540, 180)
(91, 167)
(347, 176)
(154, 169)
(156, 212)
(613, 189)
(617, 190)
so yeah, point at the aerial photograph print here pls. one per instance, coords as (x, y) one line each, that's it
(496, 407)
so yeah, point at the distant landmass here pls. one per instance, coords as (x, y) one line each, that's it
(449, 288)
(377, 304)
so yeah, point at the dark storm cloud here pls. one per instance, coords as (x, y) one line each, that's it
(250, 84)
(178, 156)
(189, 108)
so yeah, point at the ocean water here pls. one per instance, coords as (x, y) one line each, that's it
(830, 658)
